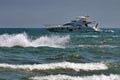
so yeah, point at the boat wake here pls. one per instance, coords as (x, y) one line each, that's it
(23, 40)
(109, 31)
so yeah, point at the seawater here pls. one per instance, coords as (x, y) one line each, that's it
(37, 54)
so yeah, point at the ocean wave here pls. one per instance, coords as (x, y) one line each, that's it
(23, 40)
(99, 46)
(87, 36)
(93, 46)
(63, 65)
(66, 77)
(109, 31)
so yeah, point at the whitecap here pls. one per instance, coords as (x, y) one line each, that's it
(66, 77)
(110, 31)
(23, 40)
(87, 36)
(99, 46)
(63, 65)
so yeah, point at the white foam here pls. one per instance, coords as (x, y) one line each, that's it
(63, 65)
(111, 31)
(93, 36)
(108, 46)
(100, 46)
(65, 77)
(7, 40)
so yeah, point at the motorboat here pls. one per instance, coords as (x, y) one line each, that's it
(80, 24)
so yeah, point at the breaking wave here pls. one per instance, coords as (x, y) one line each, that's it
(65, 77)
(60, 65)
(7, 40)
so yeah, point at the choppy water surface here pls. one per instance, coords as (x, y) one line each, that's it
(37, 54)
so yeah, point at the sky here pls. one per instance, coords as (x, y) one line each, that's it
(37, 13)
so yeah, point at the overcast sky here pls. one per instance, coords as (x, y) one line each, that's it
(36, 13)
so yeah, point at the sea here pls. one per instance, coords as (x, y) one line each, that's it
(37, 54)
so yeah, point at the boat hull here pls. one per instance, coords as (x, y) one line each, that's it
(72, 29)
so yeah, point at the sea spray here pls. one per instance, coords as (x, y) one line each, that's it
(51, 41)
(23, 40)
(7, 40)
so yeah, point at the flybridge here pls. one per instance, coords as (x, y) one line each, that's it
(80, 21)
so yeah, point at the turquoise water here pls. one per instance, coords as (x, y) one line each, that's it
(37, 54)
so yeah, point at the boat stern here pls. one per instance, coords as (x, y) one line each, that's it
(97, 29)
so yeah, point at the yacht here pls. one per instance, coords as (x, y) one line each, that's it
(80, 24)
